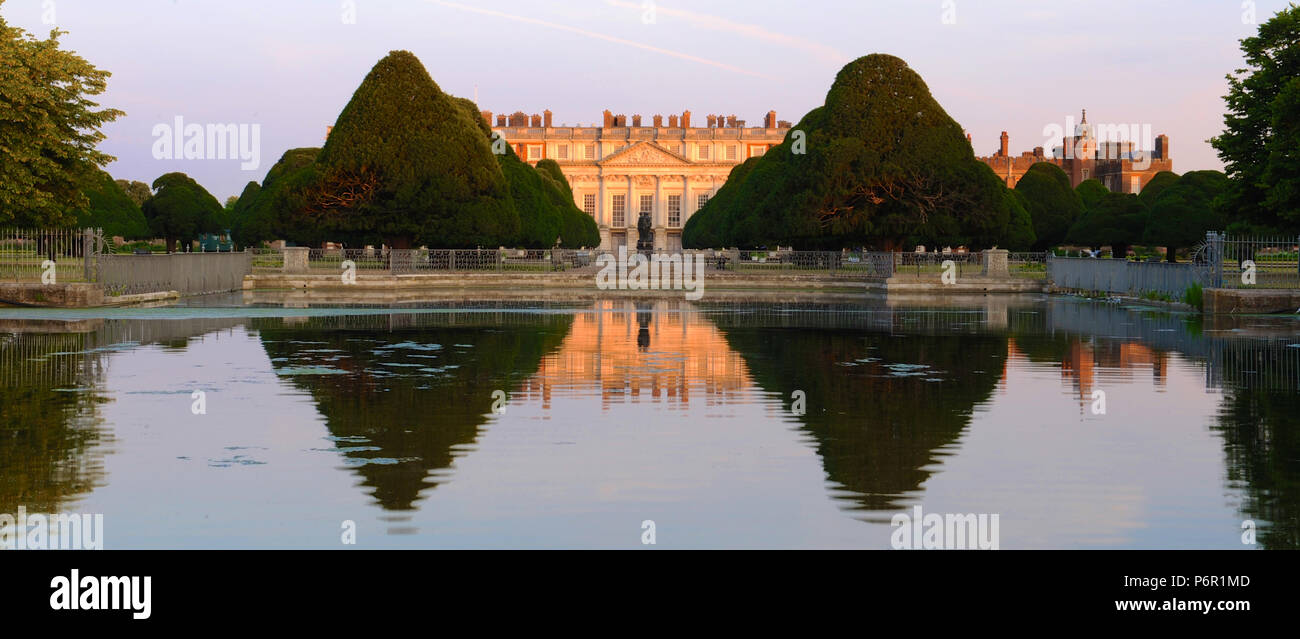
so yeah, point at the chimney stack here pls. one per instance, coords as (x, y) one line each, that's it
(620, 120)
(537, 121)
(546, 118)
(672, 121)
(636, 119)
(686, 119)
(713, 121)
(770, 121)
(1162, 148)
(501, 120)
(1006, 140)
(609, 119)
(487, 117)
(731, 121)
(659, 121)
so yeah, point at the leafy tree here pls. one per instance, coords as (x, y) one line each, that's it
(879, 163)
(1156, 186)
(109, 208)
(1185, 211)
(49, 127)
(1260, 145)
(1053, 205)
(136, 190)
(180, 209)
(1116, 219)
(1091, 192)
(406, 162)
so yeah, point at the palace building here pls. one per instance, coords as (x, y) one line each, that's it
(620, 169)
(1086, 155)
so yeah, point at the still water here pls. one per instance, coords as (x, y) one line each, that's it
(729, 425)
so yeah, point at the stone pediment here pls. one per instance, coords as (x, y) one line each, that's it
(645, 154)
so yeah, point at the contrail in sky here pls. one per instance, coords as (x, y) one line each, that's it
(599, 36)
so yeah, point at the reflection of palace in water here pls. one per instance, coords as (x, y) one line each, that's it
(660, 351)
(1080, 361)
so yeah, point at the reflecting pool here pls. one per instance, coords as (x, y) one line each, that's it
(729, 425)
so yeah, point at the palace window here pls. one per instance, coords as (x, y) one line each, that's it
(534, 152)
(647, 204)
(590, 152)
(757, 151)
(702, 152)
(701, 200)
(1135, 184)
(674, 211)
(589, 204)
(731, 152)
(562, 152)
(1085, 173)
(618, 207)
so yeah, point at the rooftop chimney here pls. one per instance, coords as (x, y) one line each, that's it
(546, 118)
(1005, 144)
(659, 121)
(672, 121)
(501, 120)
(686, 119)
(770, 121)
(609, 119)
(731, 121)
(487, 117)
(713, 121)
(636, 119)
(537, 121)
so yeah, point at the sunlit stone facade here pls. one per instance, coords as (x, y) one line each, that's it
(619, 169)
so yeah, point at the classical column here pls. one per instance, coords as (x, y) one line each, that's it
(660, 216)
(602, 211)
(633, 207)
(687, 204)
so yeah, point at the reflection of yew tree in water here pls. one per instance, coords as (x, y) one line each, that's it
(1261, 437)
(51, 442)
(399, 402)
(881, 408)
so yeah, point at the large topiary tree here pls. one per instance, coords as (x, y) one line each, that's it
(1155, 186)
(1117, 219)
(1053, 205)
(407, 163)
(180, 209)
(270, 211)
(1260, 144)
(879, 163)
(111, 209)
(1184, 212)
(1091, 192)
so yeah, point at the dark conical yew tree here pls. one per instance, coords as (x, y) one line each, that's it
(180, 209)
(1091, 192)
(879, 163)
(1155, 186)
(275, 210)
(407, 163)
(1053, 205)
(1185, 211)
(111, 209)
(1116, 219)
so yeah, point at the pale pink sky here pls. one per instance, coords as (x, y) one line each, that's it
(289, 66)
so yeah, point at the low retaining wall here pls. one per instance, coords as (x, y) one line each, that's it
(78, 295)
(1120, 276)
(185, 273)
(1250, 301)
